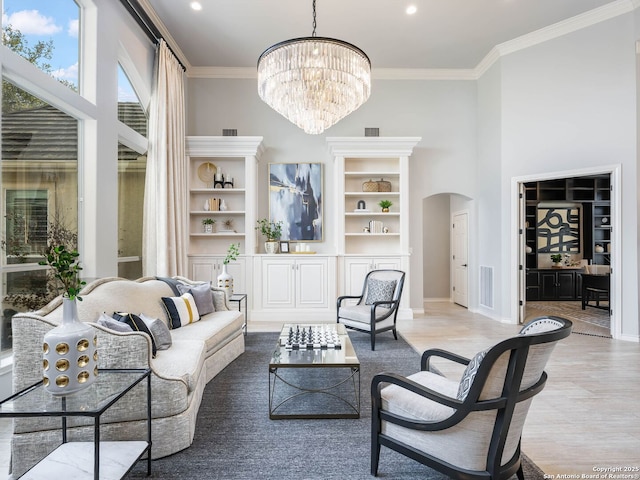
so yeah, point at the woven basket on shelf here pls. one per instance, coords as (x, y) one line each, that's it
(370, 186)
(384, 186)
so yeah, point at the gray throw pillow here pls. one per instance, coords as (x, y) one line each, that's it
(380, 290)
(201, 294)
(470, 374)
(159, 331)
(110, 322)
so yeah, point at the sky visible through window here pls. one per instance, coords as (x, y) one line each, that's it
(56, 20)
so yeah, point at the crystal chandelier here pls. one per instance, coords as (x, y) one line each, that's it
(314, 81)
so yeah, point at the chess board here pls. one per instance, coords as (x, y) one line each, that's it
(311, 337)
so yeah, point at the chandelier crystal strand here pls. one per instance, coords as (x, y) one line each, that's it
(314, 81)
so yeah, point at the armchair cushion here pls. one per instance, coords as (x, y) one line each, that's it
(361, 313)
(396, 399)
(380, 290)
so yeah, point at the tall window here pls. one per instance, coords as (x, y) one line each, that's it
(46, 34)
(39, 197)
(132, 164)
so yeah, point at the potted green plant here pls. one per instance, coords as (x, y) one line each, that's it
(208, 224)
(66, 266)
(556, 258)
(385, 204)
(272, 231)
(70, 360)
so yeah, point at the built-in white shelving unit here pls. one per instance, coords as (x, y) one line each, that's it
(232, 157)
(361, 248)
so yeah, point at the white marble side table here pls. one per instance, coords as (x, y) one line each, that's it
(84, 460)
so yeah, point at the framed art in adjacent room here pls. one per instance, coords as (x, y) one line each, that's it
(295, 199)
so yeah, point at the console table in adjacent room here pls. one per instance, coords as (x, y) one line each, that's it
(84, 460)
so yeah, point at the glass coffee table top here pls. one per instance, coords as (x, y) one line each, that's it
(310, 355)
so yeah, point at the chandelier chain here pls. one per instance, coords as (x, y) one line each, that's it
(313, 34)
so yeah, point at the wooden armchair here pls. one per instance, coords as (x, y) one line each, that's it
(376, 308)
(471, 428)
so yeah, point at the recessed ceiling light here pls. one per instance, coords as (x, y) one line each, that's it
(411, 9)
(196, 6)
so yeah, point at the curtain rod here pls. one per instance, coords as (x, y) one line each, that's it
(147, 25)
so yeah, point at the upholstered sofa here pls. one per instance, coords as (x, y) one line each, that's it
(198, 352)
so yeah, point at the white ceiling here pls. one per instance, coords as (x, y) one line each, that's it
(443, 34)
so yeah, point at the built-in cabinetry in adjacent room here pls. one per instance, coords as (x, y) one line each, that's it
(553, 284)
(368, 170)
(591, 195)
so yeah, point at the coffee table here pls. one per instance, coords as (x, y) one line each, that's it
(314, 382)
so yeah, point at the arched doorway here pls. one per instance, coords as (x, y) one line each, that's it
(442, 273)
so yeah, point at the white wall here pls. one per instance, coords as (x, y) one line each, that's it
(489, 245)
(570, 103)
(441, 112)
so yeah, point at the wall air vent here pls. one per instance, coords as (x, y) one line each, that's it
(486, 286)
(371, 132)
(229, 132)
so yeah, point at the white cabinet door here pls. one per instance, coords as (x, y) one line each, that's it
(312, 283)
(203, 270)
(207, 269)
(356, 269)
(278, 287)
(295, 283)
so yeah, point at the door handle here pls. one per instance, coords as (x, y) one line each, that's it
(464, 265)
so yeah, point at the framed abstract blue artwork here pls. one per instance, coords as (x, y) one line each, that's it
(295, 199)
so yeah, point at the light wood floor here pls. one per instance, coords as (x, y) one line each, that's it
(587, 416)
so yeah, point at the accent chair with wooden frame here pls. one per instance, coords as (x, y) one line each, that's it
(375, 310)
(468, 428)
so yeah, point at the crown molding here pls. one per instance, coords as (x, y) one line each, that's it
(224, 146)
(372, 146)
(570, 25)
(423, 74)
(556, 30)
(149, 10)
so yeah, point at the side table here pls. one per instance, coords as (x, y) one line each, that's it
(72, 459)
(238, 298)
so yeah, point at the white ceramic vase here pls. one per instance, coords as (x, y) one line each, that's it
(70, 356)
(225, 280)
(271, 247)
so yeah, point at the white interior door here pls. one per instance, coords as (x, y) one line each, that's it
(460, 257)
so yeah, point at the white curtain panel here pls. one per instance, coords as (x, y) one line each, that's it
(165, 198)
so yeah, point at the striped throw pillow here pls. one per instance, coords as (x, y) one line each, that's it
(181, 310)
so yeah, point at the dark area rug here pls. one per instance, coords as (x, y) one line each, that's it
(235, 439)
